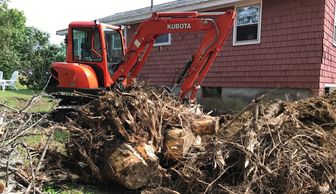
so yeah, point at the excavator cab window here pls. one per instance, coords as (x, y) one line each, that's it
(114, 48)
(86, 45)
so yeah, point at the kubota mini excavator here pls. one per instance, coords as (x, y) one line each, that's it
(97, 58)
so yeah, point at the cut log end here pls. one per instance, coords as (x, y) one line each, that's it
(127, 167)
(178, 143)
(205, 126)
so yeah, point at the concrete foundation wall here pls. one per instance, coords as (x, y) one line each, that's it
(234, 99)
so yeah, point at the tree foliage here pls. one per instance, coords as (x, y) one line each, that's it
(12, 31)
(39, 55)
(26, 49)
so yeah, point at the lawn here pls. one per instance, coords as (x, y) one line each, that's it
(19, 98)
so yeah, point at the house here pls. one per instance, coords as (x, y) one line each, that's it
(284, 44)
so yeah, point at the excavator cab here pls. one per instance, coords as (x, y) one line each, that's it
(94, 53)
(91, 46)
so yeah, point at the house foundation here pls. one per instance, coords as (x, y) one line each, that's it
(235, 99)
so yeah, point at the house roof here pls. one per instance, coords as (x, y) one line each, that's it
(134, 16)
(146, 10)
(137, 15)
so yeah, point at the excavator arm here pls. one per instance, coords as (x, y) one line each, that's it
(215, 25)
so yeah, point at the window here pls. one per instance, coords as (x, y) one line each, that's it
(247, 26)
(76, 47)
(116, 39)
(113, 44)
(87, 45)
(114, 49)
(163, 39)
(212, 92)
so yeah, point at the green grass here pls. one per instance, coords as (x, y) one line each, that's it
(72, 189)
(19, 98)
(61, 135)
(34, 140)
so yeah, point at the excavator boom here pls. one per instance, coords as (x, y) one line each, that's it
(215, 25)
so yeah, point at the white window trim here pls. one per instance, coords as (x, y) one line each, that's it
(125, 35)
(164, 43)
(247, 42)
(334, 32)
(115, 48)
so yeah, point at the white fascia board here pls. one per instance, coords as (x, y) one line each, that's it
(62, 32)
(200, 6)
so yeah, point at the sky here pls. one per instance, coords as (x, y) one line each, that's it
(53, 15)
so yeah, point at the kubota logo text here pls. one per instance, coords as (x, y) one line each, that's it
(180, 26)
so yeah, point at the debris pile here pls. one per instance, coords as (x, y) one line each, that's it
(149, 141)
(20, 164)
(282, 148)
(144, 138)
(119, 136)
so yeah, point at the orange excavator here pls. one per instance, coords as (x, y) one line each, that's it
(97, 58)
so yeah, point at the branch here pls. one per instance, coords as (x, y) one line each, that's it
(41, 159)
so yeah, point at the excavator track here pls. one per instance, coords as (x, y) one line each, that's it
(60, 114)
(68, 104)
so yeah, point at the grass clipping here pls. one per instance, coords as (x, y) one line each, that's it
(146, 139)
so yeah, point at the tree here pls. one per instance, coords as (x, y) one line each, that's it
(39, 54)
(3, 1)
(26, 49)
(12, 30)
